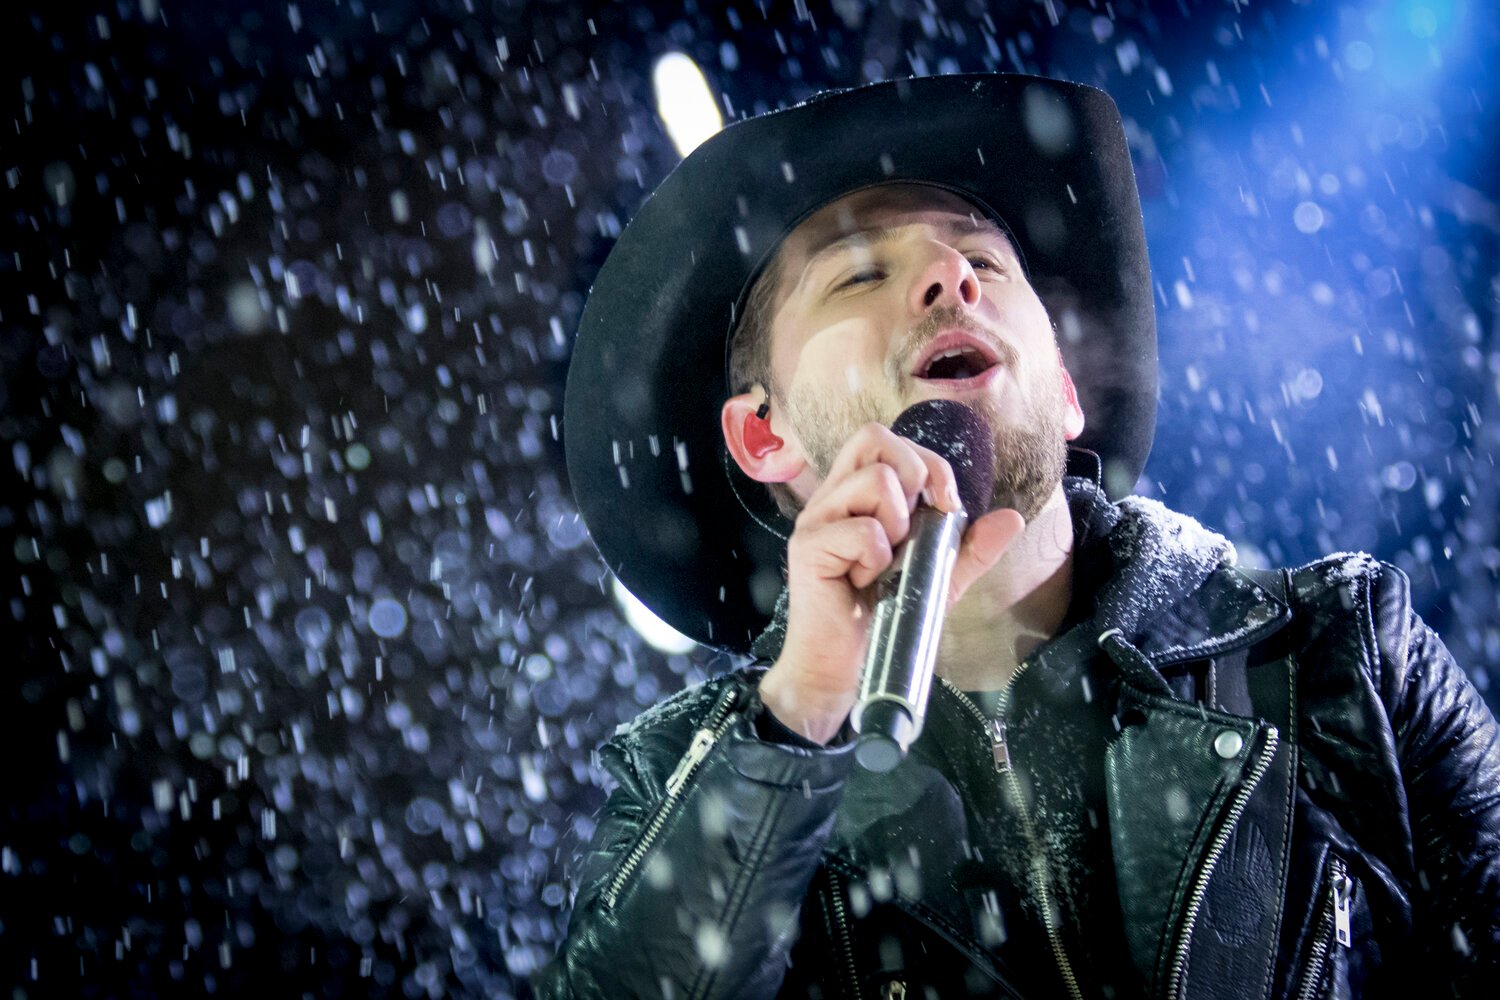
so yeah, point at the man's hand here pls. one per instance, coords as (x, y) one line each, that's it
(843, 540)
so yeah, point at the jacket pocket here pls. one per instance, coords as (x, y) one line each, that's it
(1325, 968)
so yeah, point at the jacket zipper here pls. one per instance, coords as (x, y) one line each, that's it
(1040, 880)
(714, 726)
(1175, 981)
(1334, 925)
(839, 917)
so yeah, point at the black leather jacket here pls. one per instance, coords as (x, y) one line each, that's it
(1303, 799)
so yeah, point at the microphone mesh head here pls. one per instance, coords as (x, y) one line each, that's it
(960, 435)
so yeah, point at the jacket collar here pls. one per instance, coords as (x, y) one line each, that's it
(1175, 592)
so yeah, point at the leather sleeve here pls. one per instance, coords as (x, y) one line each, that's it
(1449, 746)
(711, 907)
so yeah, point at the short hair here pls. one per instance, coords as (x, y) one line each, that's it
(750, 341)
(750, 359)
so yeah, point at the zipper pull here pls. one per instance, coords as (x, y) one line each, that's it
(1343, 893)
(893, 990)
(1001, 748)
(703, 741)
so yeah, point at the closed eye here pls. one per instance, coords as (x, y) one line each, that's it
(861, 277)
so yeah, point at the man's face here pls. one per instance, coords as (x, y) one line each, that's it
(897, 294)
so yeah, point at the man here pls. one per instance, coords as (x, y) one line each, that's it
(1144, 771)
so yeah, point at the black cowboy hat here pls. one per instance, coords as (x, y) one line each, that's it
(696, 540)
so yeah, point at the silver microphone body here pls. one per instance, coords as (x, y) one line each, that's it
(912, 598)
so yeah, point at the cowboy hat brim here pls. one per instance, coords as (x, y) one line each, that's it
(674, 518)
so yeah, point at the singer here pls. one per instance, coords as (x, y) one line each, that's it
(1141, 771)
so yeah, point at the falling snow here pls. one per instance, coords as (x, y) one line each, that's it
(312, 653)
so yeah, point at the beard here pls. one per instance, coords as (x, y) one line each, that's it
(1030, 457)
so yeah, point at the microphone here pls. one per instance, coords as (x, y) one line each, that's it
(912, 594)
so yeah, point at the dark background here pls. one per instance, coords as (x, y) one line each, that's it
(307, 651)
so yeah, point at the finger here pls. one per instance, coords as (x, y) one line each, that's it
(984, 543)
(942, 484)
(855, 547)
(876, 444)
(874, 491)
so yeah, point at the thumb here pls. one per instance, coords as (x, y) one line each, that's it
(984, 543)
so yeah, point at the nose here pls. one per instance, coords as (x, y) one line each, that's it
(946, 277)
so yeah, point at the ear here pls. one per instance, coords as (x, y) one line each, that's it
(1073, 413)
(780, 463)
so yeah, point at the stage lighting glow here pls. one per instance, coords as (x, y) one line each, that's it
(657, 633)
(1408, 43)
(684, 102)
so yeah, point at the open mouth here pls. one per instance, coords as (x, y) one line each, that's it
(955, 357)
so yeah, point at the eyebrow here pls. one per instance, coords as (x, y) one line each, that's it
(972, 226)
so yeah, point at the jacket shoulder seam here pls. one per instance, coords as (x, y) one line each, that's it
(687, 703)
(1363, 579)
(1336, 568)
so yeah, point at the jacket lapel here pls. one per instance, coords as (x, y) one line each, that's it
(1200, 795)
